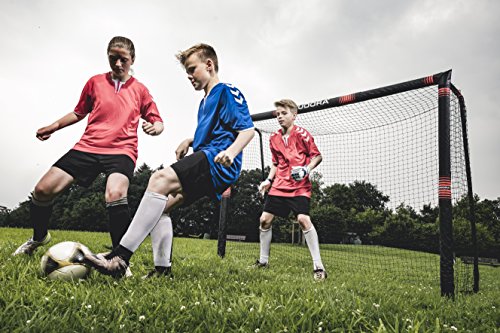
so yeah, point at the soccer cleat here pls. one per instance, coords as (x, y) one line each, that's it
(103, 256)
(319, 274)
(159, 273)
(31, 245)
(115, 267)
(258, 264)
(128, 272)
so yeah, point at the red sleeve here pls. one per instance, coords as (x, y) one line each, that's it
(149, 110)
(273, 152)
(311, 146)
(86, 102)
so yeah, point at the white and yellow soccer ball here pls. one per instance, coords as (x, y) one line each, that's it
(63, 262)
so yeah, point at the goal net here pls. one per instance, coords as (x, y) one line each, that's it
(392, 194)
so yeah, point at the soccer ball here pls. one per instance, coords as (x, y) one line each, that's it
(62, 262)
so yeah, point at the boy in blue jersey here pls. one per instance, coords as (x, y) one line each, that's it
(224, 129)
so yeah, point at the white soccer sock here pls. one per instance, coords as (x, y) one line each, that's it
(313, 244)
(161, 239)
(265, 244)
(147, 216)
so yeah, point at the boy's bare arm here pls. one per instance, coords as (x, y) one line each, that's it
(272, 172)
(69, 119)
(227, 156)
(266, 184)
(315, 161)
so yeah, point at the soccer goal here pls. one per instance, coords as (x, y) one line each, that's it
(393, 194)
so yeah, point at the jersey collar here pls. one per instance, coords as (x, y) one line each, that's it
(126, 84)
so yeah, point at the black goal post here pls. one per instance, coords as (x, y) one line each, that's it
(405, 144)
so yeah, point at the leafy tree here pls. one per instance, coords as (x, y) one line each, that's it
(138, 186)
(429, 214)
(358, 195)
(331, 223)
(246, 205)
(397, 230)
(196, 219)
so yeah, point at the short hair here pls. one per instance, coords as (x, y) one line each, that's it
(123, 42)
(287, 103)
(204, 51)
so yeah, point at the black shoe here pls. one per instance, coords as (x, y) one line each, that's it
(258, 264)
(165, 273)
(116, 266)
(31, 245)
(319, 274)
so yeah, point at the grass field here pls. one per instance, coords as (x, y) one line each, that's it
(210, 294)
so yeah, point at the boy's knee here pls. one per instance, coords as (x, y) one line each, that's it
(160, 176)
(265, 222)
(164, 181)
(44, 192)
(304, 222)
(114, 194)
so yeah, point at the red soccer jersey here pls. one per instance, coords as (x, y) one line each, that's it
(297, 150)
(114, 115)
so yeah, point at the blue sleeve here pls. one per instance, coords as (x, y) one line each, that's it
(234, 109)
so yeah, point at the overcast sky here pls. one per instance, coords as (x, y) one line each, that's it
(306, 50)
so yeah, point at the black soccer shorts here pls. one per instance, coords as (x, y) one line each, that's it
(85, 167)
(282, 206)
(194, 174)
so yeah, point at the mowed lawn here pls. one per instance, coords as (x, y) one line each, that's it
(210, 294)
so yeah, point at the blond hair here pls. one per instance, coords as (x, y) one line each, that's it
(288, 104)
(204, 51)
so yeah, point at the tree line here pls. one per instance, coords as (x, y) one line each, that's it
(339, 212)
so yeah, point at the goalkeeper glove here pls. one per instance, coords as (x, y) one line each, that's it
(300, 172)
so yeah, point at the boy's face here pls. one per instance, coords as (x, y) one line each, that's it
(285, 116)
(120, 61)
(198, 71)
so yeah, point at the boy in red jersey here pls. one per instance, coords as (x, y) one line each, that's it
(294, 155)
(114, 101)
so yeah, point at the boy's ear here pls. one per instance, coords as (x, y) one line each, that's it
(210, 64)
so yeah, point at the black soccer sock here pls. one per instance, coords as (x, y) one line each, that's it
(40, 212)
(122, 252)
(119, 219)
(161, 269)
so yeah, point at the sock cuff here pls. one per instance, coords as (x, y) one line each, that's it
(265, 230)
(121, 201)
(39, 203)
(123, 252)
(309, 230)
(155, 195)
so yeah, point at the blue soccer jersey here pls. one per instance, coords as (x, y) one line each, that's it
(221, 115)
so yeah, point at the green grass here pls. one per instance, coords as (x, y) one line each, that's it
(209, 294)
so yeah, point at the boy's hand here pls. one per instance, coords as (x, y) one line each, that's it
(183, 149)
(300, 172)
(45, 132)
(264, 186)
(152, 129)
(225, 158)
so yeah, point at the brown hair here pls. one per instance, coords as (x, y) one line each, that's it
(287, 103)
(204, 51)
(124, 42)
